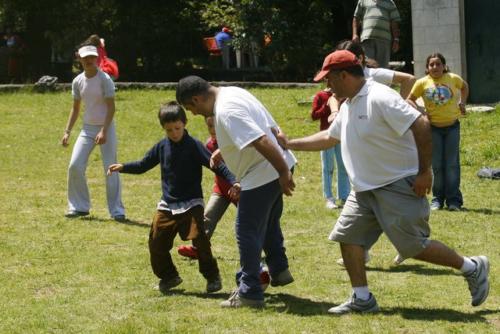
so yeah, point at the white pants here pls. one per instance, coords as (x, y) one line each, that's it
(78, 191)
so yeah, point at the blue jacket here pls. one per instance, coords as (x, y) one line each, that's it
(180, 163)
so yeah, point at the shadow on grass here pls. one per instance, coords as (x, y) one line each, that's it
(219, 295)
(482, 210)
(419, 269)
(286, 303)
(432, 314)
(283, 302)
(306, 307)
(109, 220)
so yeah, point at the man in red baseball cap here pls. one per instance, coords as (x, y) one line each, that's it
(386, 148)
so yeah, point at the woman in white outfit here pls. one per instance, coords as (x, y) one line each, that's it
(96, 89)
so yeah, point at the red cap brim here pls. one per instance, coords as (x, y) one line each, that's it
(321, 75)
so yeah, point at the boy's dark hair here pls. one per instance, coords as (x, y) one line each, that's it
(171, 112)
(189, 87)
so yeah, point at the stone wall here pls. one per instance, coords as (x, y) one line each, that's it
(438, 26)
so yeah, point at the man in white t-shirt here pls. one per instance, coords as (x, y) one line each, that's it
(246, 134)
(386, 147)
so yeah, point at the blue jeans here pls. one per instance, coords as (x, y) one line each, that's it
(327, 168)
(258, 228)
(446, 165)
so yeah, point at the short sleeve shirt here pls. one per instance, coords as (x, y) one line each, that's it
(380, 75)
(376, 17)
(240, 119)
(441, 97)
(378, 148)
(93, 92)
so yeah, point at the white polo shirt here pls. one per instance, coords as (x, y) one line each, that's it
(240, 119)
(93, 91)
(378, 148)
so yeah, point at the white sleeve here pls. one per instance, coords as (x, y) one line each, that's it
(75, 89)
(240, 126)
(335, 128)
(381, 75)
(396, 112)
(108, 86)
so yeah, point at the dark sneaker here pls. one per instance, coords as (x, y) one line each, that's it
(355, 305)
(453, 207)
(214, 285)
(235, 301)
(75, 214)
(283, 278)
(479, 286)
(167, 284)
(188, 251)
(120, 218)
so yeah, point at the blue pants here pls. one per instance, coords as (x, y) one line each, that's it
(327, 169)
(446, 165)
(258, 228)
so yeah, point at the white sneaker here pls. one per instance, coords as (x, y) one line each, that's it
(478, 282)
(340, 261)
(330, 204)
(355, 305)
(398, 260)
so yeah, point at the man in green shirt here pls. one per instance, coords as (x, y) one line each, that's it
(379, 21)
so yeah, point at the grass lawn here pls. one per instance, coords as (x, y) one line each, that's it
(92, 275)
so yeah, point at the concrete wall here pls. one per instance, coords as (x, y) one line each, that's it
(438, 26)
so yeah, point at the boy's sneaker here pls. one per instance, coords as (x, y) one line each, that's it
(120, 218)
(235, 301)
(453, 207)
(214, 285)
(436, 206)
(188, 251)
(74, 214)
(283, 278)
(479, 286)
(340, 261)
(398, 260)
(355, 305)
(330, 204)
(166, 285)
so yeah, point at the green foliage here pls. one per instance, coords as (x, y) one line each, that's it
(93, 275)
(162, 40)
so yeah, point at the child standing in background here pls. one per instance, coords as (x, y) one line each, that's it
(444, 96)
(106, 64)
(96, 89)
(322, 110)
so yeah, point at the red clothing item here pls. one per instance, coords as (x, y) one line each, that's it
(221, 186)
(320, 109)
(106, 64)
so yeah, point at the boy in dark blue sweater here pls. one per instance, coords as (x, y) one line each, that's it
(180, 209)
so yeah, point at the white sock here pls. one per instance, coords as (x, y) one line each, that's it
(469, 266)
(362, 292)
